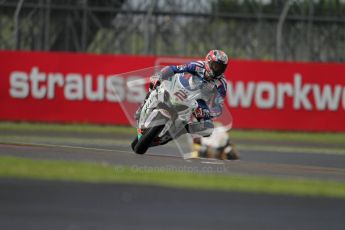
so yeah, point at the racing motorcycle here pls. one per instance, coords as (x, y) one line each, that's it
(169, 112)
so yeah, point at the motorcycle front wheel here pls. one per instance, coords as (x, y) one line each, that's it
(141, 145)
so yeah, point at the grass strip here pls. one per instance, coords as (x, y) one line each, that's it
(315, 137)
(15, 167)
(36, 140)
(293, 149)
(24, 126)
(256, 135)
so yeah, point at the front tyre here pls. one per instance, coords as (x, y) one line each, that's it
(145, 141)
(134, 142)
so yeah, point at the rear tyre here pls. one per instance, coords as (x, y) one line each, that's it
(145, 141)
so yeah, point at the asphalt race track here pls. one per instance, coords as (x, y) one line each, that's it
(26, 204)
(63, 205)
(253, 162)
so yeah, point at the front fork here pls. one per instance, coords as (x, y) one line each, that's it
(155, 118)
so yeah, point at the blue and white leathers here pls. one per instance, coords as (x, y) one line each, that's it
(198, 68)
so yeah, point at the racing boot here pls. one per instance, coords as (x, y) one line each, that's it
(231, 152)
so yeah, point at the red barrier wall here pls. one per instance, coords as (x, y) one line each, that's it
(65, 87)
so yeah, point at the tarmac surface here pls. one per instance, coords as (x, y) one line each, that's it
(297, 164)
(30, 204)
(36, 205)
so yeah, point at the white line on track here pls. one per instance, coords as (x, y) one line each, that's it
(212, 162)
(88, 148)
(64, 146)
(80, 147)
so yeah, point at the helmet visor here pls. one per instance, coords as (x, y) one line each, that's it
(218, 68)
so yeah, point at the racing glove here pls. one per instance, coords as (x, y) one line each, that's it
(202, 111)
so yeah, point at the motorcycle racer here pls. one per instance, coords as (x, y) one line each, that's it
(211, 71)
